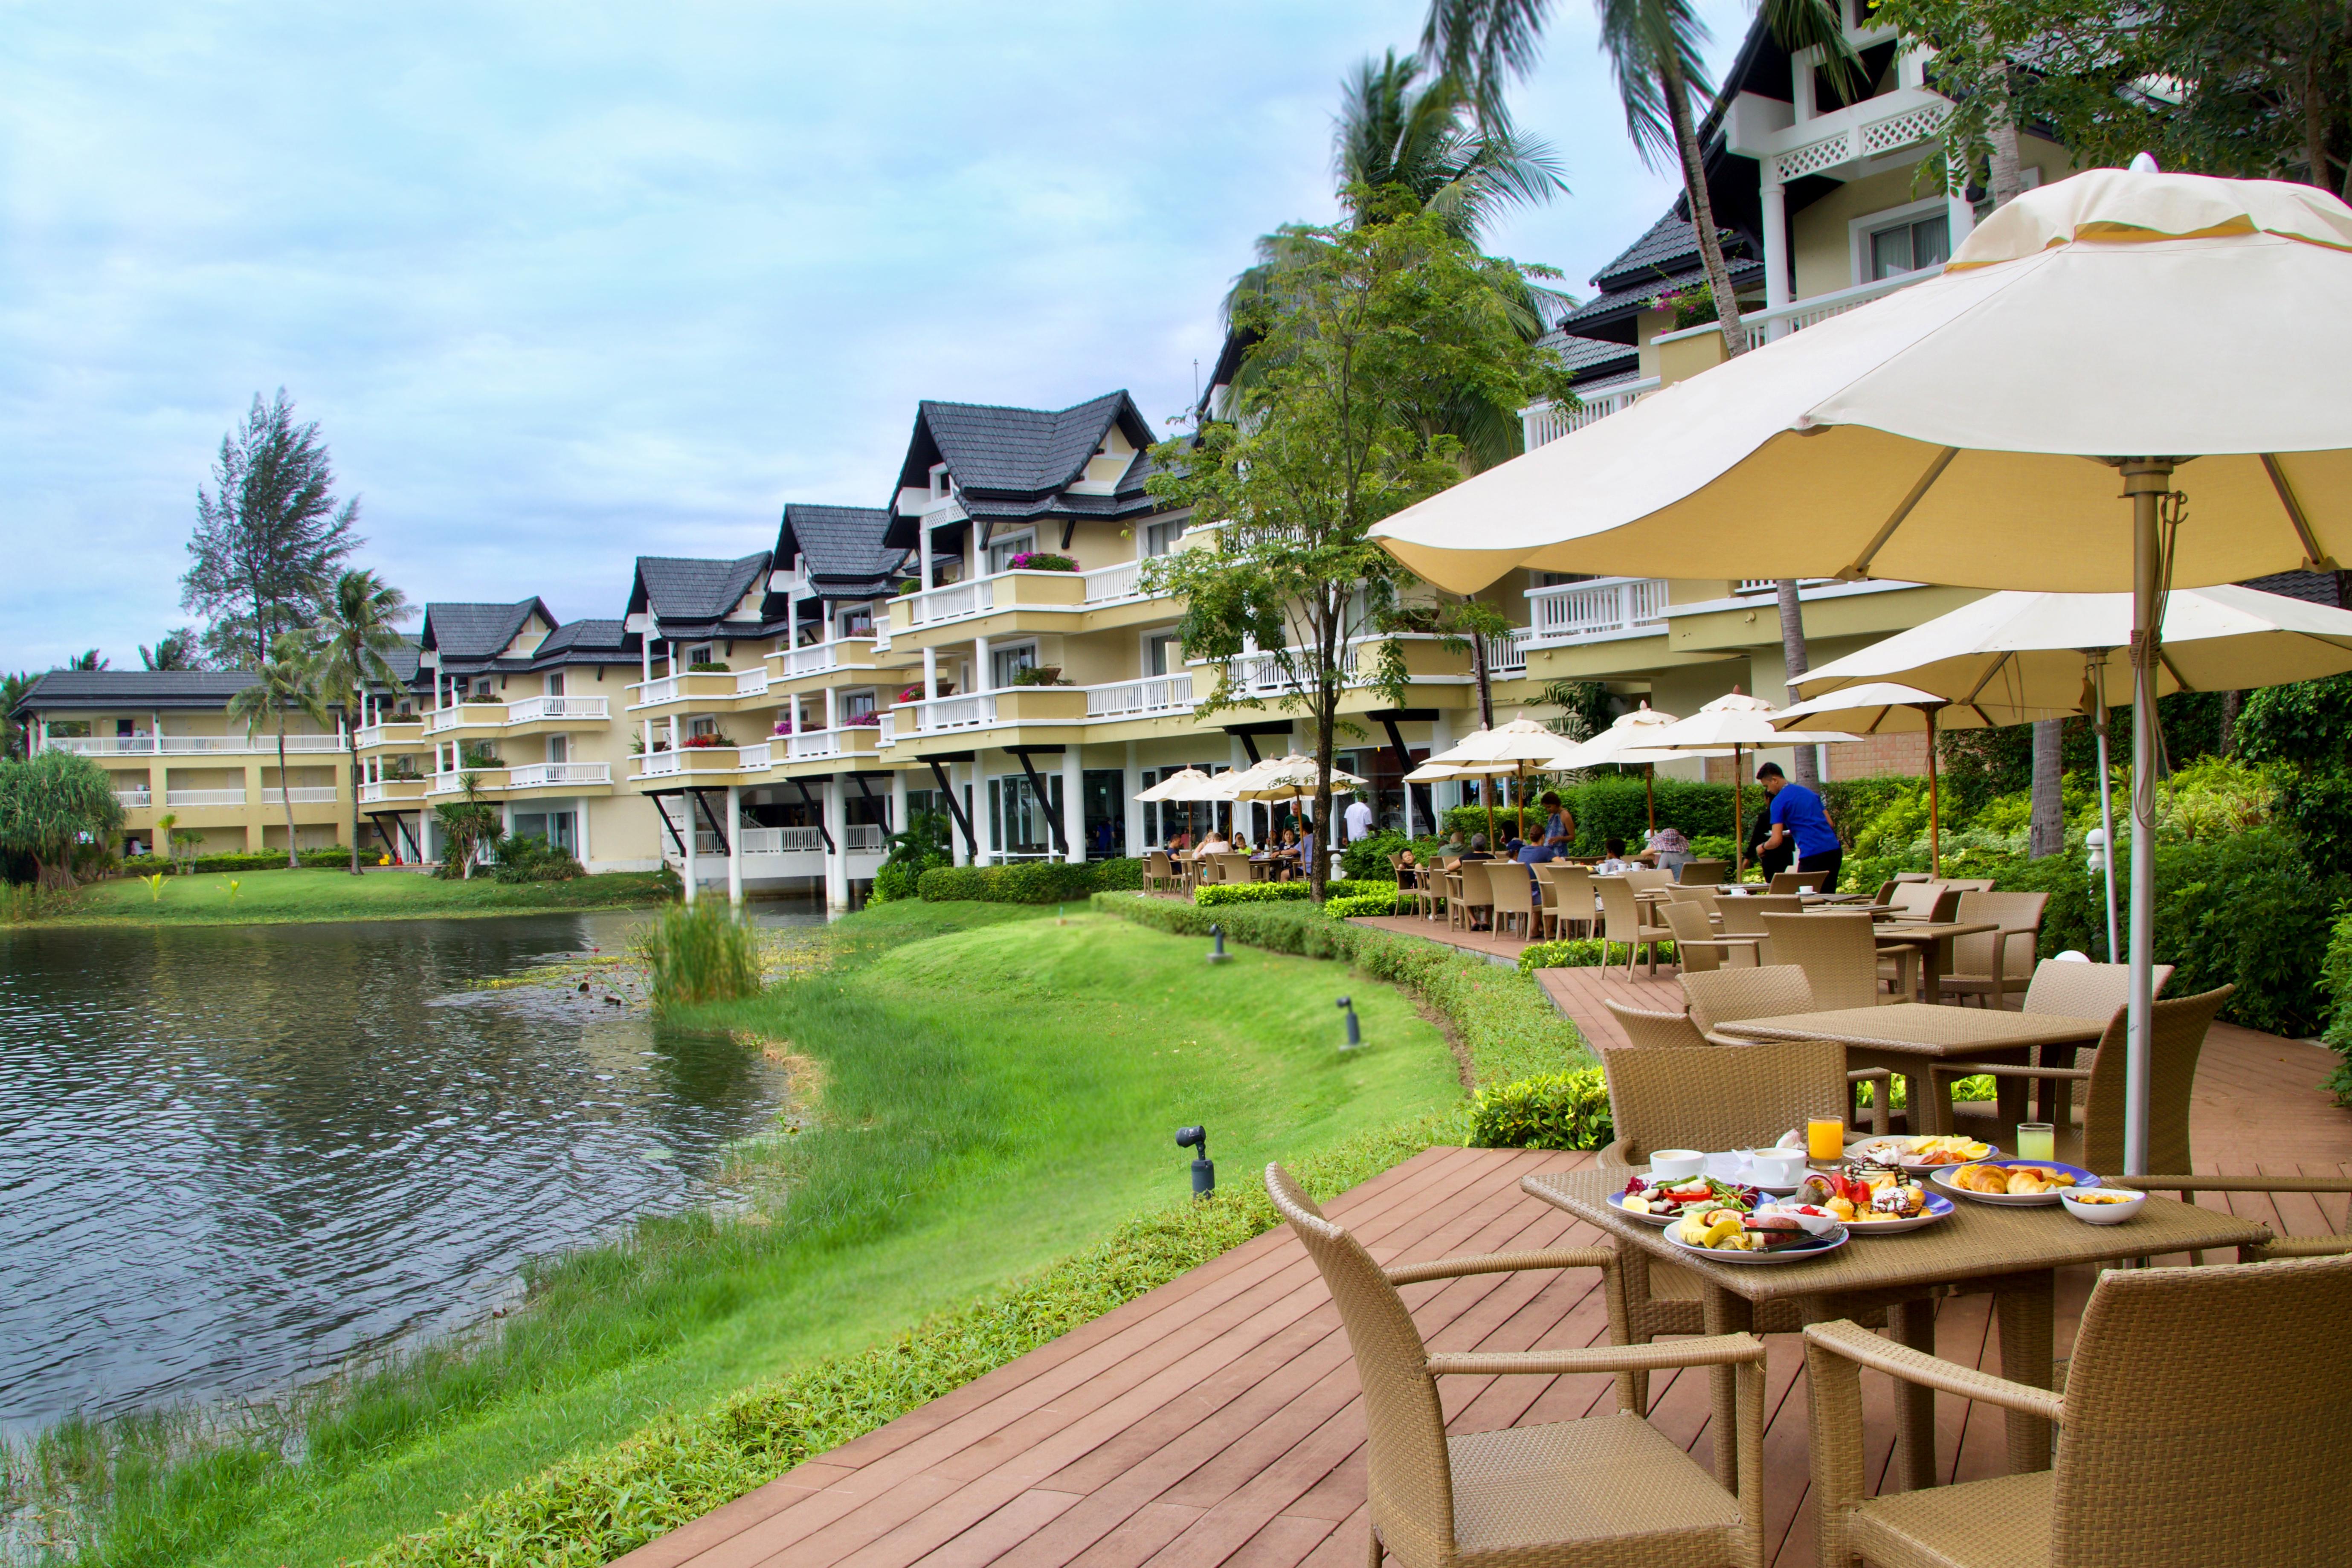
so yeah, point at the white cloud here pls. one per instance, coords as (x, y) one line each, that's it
(565, 284)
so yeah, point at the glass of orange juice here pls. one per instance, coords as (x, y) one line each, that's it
(1824, 1138)
(2037, 1141)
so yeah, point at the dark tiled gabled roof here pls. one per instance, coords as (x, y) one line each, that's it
(1612, 315)
(1590, 359)
(842, 546)
(1023, 451)
(474, 634)
(586, 642)
(2312, 587)
(134, 688)
(684, 594)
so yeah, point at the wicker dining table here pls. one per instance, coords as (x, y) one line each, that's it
(2011, 1253)
(1910, 1037)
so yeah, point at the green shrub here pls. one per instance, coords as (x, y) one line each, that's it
(2336, 980)
(1576, 953)
(1355, 904)
(1503, 1017)
(330, 856)
(1711, 846)
(1028, 881)
(1555, 1110)
(698, 953)
(22, 901)
(533, 860)
(1211, 895)
(1367, 859)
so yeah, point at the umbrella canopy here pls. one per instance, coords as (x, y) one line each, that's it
(1175, 785)
(2117, 326)
(1444, 773)
(2010, 652)
(1525, 746)
(1737, 721)
(1286, 779)
(1624, 744)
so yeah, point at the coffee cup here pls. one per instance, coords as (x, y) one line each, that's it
(1778, 1167)
(1677, 1164)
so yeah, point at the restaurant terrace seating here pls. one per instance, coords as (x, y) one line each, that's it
(1989, 966)
(1838, 952)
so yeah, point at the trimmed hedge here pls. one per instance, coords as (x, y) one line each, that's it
(1028, 881)
(1349, 906)
(1554, 1110)
(1220, 893)
(338, 854)
(2335, 978)
(1505, 1018)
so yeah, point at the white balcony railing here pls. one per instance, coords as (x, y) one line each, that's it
(1261, 674)
(376, 792)
(954, 602)
(541, 775)
(1158, 694)
(814, 659)
(751, 682)
(303, 794)
(683, 759)
(133, 799)
(1105, 584)
(383, 734)
(487, 778)
(861, 836)
(1762, 326)
(1570, 611)
(943, 713)
(177, 798)
(1543, 422)
(1507, 654)
(754, 757)
(778, 840)
(188, 745)
(653, 692)
(813, 743)
(530, 707)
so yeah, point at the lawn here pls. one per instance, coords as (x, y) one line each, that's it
(1000, 1087)
(317, 893)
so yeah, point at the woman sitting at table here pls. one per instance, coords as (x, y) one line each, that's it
(1668, 849)
(1214, 843)
(1288, 852)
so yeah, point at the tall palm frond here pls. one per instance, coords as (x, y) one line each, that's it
(286, 683)
(357, 633)
(1432, 143)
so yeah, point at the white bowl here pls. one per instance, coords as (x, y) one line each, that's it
(2104, 1213)
(1677, 1164)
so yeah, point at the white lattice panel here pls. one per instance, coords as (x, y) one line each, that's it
(1816, 156)
(1903, 129)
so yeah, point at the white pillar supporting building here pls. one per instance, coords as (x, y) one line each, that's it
(687, 836)
(734, 820)
(836, 864)
(1074, 806)
(1130, 785)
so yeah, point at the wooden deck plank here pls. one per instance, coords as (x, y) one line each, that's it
(1217, 1419)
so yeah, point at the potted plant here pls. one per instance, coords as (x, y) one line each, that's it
(1040, 560)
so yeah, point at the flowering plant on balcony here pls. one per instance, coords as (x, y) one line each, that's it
(784, 727)
(1039, 561)
(704, 742)
(915, 693)
(868, 719)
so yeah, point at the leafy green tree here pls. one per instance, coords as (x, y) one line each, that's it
(269, 537)
(468, 824)
(287, 684)
(50, 805)
(357, 633)
(15, 735)
(90, 660)
(176, 649)
(1380, 324)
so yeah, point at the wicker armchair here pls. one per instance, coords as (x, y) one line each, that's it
(1838, 952)
(1647, 1028)
(1991, 964)
(1648, 879)
(2334, 1243)
(1697, 947)
(1512, 892)
(2084, 990)
(2200, 1406)
(1708, 1097)
(2176, 1037)
(1744, 916)
(1563, 1493)
(1622, 919)
(1798, 882)
(1927, 902)
(1159, 873)
(1470, 894)
(1702, 873)
(1775, 991)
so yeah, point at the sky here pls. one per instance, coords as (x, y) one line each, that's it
(567, 284)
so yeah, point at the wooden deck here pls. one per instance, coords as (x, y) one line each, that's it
(1216, 1420)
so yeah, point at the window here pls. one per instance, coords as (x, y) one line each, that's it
(1005, 663)
(857, 621)
(555, 684)
(482, 686)
(1159, 538)
(559, 748)
(1002, 551)
(1909, 247)
(1163, 654)
(857, 705)
(555, 826)
(1022, 831)
(699, 654)
(696, 727)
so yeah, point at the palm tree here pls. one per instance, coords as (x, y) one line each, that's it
(87, 661)
(1398, 141)
(355, 633)
(13, 736)
(175, 649)
(287, 682)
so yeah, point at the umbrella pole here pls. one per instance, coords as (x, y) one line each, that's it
(1519, 793)
(1738, 822)
(2106, 809)
(1935, 840)
(2146, 480)
(1650, 796)
(1487, 793)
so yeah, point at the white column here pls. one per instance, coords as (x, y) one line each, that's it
(930, 674)
(832, 709)
(981, 679)
(1407, 762)
(957, 849)
(688, 835)
(1962, 219)
(734, 820)
(836, 865)
(825, 608)
(1130, 782)
(983, 821)
(1441, 737)
(673, 734)
(924, 533)
(1778, 291)
(1074, 806)
(898, 800)
(646, 655)
(580, 827)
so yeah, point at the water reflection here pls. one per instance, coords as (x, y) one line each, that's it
(231, 1154)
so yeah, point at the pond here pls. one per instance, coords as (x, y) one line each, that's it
(231, 1156)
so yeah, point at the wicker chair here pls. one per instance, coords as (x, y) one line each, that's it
(1924, 901)
(1697, 947)
(1555, 912)
(1622, 920)
(1744, 916)
(2084, 990)
(1838, 952)
(1160, 874)
(2176, 1037)
(1706, 1097)
(1513, 894)
(1461, 911)
(1991, 964)
(1647, 1028)
(1528, 1497)
(2332, 1245)
(1702, 873)
(1969, 884)
(1798, 882)
(1775, 991)
(1648, 879)
(2200, 1407)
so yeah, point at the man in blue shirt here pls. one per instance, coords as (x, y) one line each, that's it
(1797, 814)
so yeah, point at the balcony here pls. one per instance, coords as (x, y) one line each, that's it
(1508, 655)
(1130, 698)
(392, 792)
(1262, 675)
(857, 838)
(486, 781)
(177, 798)
(465, 715)
(716, 688)
(133, 799)
(1605, 607)
(1542, 421)
(812, 745)
(593, 710)
(552, 776)
(942, 714)
(817, 658)
(688, 762)
(390, 732)
(188, 745)
(1109, 584)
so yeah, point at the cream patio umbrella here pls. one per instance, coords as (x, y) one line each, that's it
(1623, 744)
(1884, 708)
(2013, 656)
(2119, 332)
(1190, 786)
(1287, 780)
(1520, 745)
(1738, 722)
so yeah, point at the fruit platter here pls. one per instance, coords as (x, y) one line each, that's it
(1873, 1200)
(1662, 1202)
(1924, 1154)
(1734, 1235)
(2015, 1184)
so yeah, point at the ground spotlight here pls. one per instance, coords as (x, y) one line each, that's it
(1204, 1174)
(1355, 1030)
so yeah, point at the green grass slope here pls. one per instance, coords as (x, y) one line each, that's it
(317, 893)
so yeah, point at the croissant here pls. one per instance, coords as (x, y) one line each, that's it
(2027, 1182)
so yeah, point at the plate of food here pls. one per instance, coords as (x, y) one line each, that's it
(1662, 1202)
(1874, 1202)
(2016, 1183)
(1924, 1154)
(1727, 1235)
